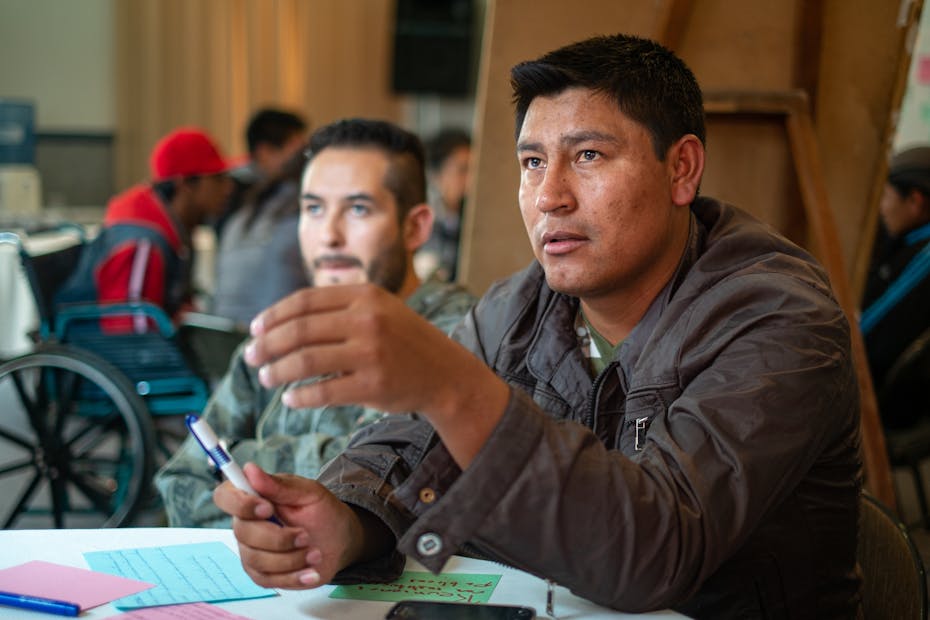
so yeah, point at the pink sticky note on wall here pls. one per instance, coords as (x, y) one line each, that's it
(85, 587)
(923, 69)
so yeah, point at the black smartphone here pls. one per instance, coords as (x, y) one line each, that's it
(435, 610)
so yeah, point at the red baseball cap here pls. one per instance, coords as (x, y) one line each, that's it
(186, 152)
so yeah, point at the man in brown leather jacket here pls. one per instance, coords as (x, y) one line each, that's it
(660, 411)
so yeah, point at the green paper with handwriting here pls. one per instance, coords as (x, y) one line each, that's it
(424, 586)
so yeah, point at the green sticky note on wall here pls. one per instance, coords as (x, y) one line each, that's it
(424, 586)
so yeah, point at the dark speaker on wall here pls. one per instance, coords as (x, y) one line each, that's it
(433, 47)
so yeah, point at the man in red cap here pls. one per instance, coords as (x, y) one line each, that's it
(143, 251)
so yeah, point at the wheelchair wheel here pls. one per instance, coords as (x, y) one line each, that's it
(75, 442)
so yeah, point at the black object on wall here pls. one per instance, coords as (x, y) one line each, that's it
(433, 47)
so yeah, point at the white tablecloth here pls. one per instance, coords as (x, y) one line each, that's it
(68, 546)
(18, 313)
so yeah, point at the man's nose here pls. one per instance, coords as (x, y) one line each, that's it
(331, 232)
(555, 190)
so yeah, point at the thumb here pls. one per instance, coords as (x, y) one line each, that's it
(278, 489)
(263, 482)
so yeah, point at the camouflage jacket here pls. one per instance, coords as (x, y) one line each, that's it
(258, 427)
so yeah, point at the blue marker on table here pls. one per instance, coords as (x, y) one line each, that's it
(37, 603)
(211, 445)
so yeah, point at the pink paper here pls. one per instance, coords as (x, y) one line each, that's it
(923, 69)
(85, 587)
(189, 611)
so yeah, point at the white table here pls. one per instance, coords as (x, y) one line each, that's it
(68, 546)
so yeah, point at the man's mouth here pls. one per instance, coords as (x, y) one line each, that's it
(337, 262)
(561, 242)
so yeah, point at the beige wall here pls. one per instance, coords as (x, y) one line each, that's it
(60, 56)
(138, 68)
(752, 46)
(213, 63)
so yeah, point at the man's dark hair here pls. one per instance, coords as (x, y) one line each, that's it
(650, 84)
(443, 144)
(406, 178)
(909, 170)
(166, 190)
(904, 190)
(274, 127)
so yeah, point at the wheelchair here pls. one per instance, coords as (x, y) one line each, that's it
(88, 414)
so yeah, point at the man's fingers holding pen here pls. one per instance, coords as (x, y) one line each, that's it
(277, 552)
(270, 537)
(237, 503)
(276, 576)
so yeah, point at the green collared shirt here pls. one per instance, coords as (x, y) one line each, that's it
(598, 349)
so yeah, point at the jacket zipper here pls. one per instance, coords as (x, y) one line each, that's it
(591, 413)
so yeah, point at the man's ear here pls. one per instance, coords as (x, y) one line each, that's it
(182, 186)
(262, 154)
(418, 226)
(918, 206)
(686, 165)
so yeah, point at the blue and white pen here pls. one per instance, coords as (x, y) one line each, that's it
(214, 449)
(37, 603)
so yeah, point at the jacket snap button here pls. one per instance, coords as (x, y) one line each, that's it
(427, 495)
(429, 544)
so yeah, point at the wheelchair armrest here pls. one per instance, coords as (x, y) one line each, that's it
(11, 238)
(73, 313)
(209, 342)
(210, 321)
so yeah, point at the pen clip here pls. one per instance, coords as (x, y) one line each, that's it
(190, 420)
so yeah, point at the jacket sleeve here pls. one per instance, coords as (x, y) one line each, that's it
(259, 428)
(276, 438)
(186, 481)
(771, 391)
(319, 435)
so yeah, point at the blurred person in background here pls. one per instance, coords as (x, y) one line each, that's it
(896, 301)
(448, 157)
(144, 250)
(258, 257)
(272, 137)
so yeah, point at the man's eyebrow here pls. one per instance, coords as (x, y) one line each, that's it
(359, 196)
(529, 146)
(351, 197)
(571, 140)
(588, 136)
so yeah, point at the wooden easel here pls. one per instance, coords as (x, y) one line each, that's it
(794, 108)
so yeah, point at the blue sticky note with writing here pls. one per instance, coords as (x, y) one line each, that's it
(199, 572)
